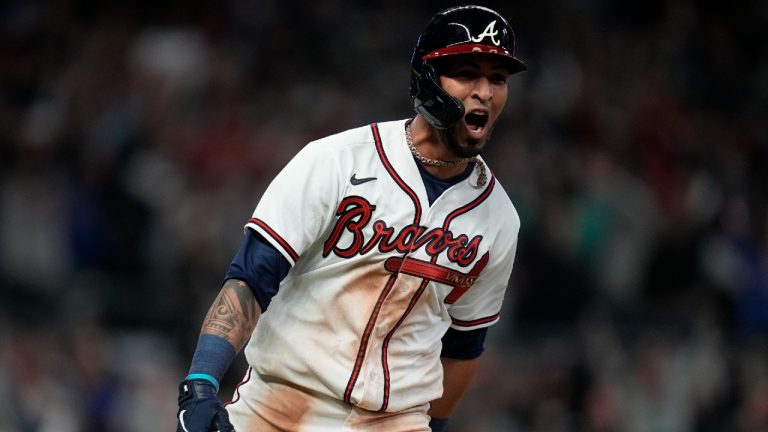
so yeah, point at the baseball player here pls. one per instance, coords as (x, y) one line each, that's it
(374, 262)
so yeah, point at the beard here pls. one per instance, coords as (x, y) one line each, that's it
(470, 149)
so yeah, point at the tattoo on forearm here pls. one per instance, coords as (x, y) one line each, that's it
(233, 314)
(247, 301)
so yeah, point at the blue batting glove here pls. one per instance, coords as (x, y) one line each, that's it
(200, 410)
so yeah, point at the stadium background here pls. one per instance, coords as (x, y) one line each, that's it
(136, 138)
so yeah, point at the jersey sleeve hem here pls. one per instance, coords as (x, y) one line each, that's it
(274, 238)
(463, 325)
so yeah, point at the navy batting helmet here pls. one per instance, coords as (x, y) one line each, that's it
(458, 30)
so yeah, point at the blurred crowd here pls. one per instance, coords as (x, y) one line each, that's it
(136, 139)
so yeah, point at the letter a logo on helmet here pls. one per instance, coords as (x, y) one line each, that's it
(489, 31)
(452, 32)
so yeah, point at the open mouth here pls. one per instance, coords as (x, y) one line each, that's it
(476, 120)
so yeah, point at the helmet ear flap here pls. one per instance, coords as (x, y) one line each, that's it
(431, 101)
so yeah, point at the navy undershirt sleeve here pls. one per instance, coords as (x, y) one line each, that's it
(260, 265)
(464, 345)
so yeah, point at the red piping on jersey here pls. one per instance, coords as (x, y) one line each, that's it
(456, 213)
(478, 321)
(367, 336)
(429, 270)
(385, 292)
(277, 237)
(471, 205)
(385, 344)
(374, 315)
(237, 389)
(395, 176)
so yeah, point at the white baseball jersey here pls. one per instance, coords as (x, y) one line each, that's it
(378, 274)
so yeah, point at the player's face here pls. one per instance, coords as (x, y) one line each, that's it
(480, 82)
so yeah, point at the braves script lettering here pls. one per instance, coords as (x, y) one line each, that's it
(354, 215)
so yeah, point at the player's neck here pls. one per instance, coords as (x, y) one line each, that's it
(427, 142)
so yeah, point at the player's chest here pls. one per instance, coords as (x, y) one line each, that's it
(451, 230)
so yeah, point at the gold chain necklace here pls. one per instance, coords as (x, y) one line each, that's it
(482, 176)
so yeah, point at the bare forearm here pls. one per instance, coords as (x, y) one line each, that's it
(457, 375)
(233, 315)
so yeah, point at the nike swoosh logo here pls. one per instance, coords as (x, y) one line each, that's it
(181, 420)
(356, 181)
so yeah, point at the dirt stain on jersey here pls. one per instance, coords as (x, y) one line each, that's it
(282, 410)
(360, 295)
(413, 420)
(373, 291)
(396, 305)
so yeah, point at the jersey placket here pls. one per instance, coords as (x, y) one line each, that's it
(402, 292)
(393, 294)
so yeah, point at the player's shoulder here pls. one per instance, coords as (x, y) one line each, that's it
(331, 147)
(503, 205)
